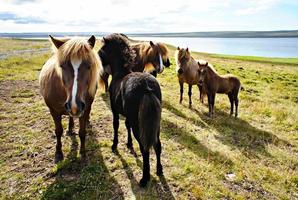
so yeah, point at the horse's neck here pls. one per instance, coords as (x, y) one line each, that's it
(188, 64)
(215, 75)
(139, 60)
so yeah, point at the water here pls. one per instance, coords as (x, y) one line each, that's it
(265, 47)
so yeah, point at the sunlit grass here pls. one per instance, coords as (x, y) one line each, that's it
(259, 148)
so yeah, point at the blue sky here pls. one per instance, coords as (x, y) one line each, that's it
(147, 16)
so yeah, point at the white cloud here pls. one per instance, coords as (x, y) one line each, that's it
(129, 15)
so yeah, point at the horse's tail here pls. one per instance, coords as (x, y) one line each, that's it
(149, 118)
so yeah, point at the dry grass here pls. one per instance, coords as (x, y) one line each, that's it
(252, 157)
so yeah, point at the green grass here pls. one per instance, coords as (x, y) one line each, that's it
(260, 147)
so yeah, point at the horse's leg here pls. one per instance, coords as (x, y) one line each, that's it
(231, 98)
(146, 167)
(201, 93)
(189, 94)
(58, 131)
(209, 104)
(82, 133)
(213, 101)
(181, 91)
(105, 78)
(116, 127)
(145, 155)
(87, 112)
(236, 104)
(157, 148)
(70, 126)
(129, 139)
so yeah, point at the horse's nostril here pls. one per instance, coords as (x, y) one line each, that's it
(81, 106)
(67, 106)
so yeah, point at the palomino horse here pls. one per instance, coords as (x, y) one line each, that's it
(150, 56)
(214, 83)
(136, 96)
(187, 72)
(68, 83)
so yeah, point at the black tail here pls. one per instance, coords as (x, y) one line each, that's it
(149, 119)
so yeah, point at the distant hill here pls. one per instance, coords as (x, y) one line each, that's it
(225, 34)
(216, 34)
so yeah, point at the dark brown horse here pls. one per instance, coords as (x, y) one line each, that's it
(150, 57)
(214, 83)
(68, 83)
(136, 96)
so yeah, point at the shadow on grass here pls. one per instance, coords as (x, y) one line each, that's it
(189, 141)
(240, 134)
(83, 178)
(166, 105)
(154, 190)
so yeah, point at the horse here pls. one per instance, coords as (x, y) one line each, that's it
(187, 72)
(214, 83)
(68, 83)
(136, 96)
(150, 57)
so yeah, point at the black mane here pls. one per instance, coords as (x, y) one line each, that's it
(120, 45)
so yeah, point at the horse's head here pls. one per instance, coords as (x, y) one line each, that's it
(116, 54)
(79, 67)
(158, 56)
(182, 55)
(203, 70)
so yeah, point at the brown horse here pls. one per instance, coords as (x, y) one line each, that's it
(187, 72)
(68, 83)
(150, 57)
(214, 83)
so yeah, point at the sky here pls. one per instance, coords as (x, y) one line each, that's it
(149, 16)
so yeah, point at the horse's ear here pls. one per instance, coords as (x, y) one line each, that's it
(151, 44)
(178, 48)
(206, 63)
(56, 42)
(92, 41)
(104, 40)
(187, 49)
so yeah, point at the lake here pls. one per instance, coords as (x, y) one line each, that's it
(266, 47)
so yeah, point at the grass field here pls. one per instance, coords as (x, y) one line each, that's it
(252, 157)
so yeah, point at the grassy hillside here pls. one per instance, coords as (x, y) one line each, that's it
(252, 157)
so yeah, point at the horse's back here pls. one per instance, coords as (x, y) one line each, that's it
(134, 86)
(231, 82)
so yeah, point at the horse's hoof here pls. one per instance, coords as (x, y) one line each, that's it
(143, 182)
(58, 157)
(159, 171)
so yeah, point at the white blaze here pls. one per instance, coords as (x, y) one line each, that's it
(75, 64)
(160, 64)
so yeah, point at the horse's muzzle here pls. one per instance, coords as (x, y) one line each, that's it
(200, 82)
(167, 63)
(75, 111)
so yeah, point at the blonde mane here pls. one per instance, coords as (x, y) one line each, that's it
(182, 57)
(147, 52)
(79, 48)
